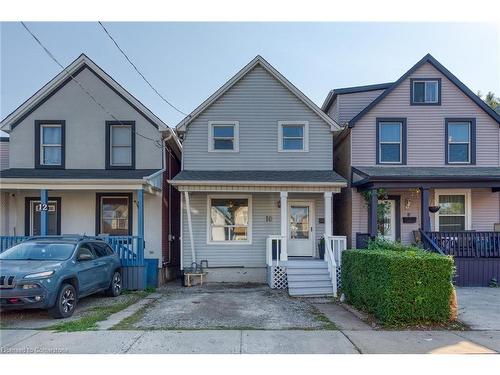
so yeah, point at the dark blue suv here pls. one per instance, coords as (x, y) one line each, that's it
(53, 273)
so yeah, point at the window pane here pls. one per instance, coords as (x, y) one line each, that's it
(51, 155)
(299, 222)
(293, 144)
(293, 131)
(51, 135)
(229, 233)
(418, 92)
(390, 132)
(458, 132)
(122, 135)
(229, 211)
(390, 153)
(223, 144)
(431, 91)
(121, 156)
(459, 153)
(451, 223)
(223, 131)
(114, 216)
(452, 205)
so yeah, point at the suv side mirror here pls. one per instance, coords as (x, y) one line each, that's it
(82, 257)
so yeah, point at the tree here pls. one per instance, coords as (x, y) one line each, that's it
(490, 99)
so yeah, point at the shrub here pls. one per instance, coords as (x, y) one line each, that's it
(382, 244)
(398, 287)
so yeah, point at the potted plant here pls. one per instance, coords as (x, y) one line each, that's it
(321, 248)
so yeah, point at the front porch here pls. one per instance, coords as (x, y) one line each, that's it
(115, 210)
(247, 229)
(450, 210)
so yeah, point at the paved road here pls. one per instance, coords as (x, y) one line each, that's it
(249, 341)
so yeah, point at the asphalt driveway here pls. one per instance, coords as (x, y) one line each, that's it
(479, 308)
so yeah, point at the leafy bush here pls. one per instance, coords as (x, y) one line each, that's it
(382, 244)
(407, 286)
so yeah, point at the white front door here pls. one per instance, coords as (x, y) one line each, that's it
(301, 228)
(387, 227)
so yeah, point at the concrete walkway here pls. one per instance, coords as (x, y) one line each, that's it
(249, 341)
(479, 308)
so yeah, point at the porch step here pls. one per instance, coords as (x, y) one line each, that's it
(308, 278)
(309, 292)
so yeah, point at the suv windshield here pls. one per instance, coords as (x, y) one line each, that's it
(38, 251)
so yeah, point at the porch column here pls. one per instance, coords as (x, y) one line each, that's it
(44, 212)
(190, 226)
(140, 222)
(425, 220)
(372, 214)
(328, 213)
(284, 224)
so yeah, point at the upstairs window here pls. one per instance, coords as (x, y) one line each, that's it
(391, 147)
(120, 145)
(460, 136)
(223, 136)
(425, 91)
(293, 136)
(49, 144)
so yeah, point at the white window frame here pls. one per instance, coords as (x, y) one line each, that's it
(42, 145)
(236, 138)
(111, 146)
(209, 226)
(468, 205)
(400, 143)
(305, 138)
(448, 143)
(425, 91)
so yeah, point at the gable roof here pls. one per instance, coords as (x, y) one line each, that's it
(332, 95)
(258, 60)
(63, 78)
(436, 64)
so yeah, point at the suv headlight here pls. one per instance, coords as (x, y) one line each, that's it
(39, 275)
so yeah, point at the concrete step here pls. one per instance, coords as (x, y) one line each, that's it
(324, 276)
(304, 292)
(309, 284)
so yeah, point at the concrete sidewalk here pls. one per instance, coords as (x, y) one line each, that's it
(249, 341)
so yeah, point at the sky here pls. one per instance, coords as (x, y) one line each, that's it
(187, 62)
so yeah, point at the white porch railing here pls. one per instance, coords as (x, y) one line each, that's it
(275, 245)
(334, 245)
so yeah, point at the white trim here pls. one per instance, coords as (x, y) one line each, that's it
(469, 143)
(328, 212)
(61, 77)
(249, 226)
(181, 237)
(190, 226)
(468, 205)
(258, 60)
(236, 135)
(305, 135)
(400, 143)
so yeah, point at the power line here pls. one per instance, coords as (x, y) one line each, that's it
(157, 142)
(138, 71)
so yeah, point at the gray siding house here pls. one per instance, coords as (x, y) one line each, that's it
(257, 180)
(89, 154)
(427, 149)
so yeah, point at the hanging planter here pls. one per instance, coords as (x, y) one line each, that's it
(434, 209)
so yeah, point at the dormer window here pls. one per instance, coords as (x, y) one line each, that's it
(49, 144)
(120, 144)
(223, 136)
(426, 91)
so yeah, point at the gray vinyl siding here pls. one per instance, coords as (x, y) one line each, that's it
(85, 127)
(240, 255)
(258, 101)
(349, 105)
(426, 125)
(4, 155)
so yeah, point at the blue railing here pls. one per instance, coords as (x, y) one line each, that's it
(129, 248)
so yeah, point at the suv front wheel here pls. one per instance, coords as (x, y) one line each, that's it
(115, 286)
(65, 302)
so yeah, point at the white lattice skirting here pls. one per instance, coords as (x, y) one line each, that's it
(278, 278)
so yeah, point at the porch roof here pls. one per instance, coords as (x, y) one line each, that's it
(322, 180)
(455, 176)
(129, 174)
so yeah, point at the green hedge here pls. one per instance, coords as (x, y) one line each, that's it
(398, 287)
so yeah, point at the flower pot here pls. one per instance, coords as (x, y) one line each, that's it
(434, 209)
